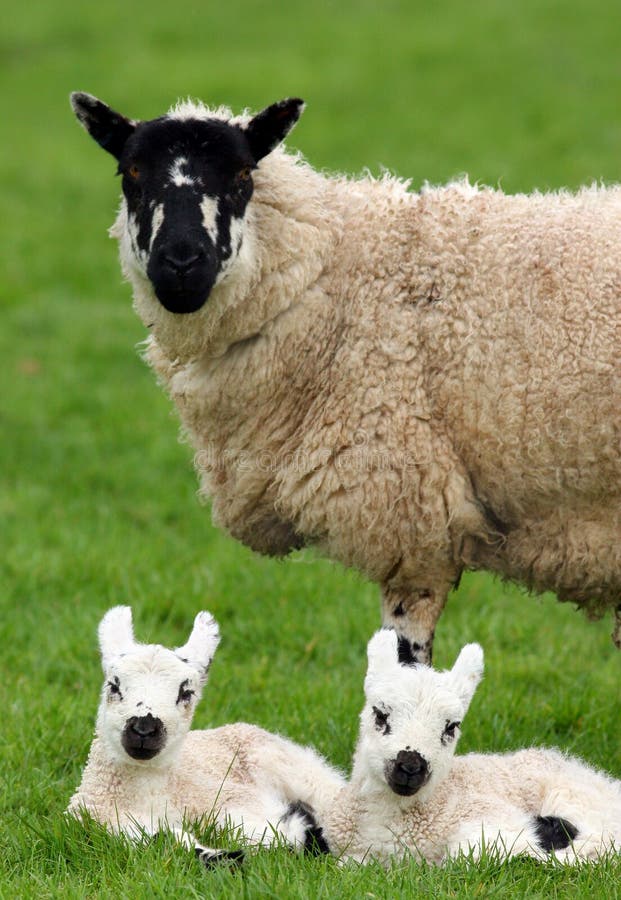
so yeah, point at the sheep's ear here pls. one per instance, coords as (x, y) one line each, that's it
(467, 672)
(116, 634)
(382, 651)
(271, 126)
(202, 643)
(109, 128)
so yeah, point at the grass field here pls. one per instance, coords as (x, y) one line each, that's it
(98, 503)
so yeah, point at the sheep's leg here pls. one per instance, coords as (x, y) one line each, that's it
(413, 614)
(277, 821)
(301, 829)
(208, 856)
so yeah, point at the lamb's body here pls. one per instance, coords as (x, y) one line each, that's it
(487, 799)
(416, 383)
(409, 794)
(147, 772)
(237, 775)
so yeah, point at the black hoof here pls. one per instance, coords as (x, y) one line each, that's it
(554, 833)
(211, 860)
(315, 843)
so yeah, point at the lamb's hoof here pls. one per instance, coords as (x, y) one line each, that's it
(554, 833)
(311, 839)
(212, 859)
(315, 843)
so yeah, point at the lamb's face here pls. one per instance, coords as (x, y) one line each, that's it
(411, 719)
(147, 704)
(187, 182)
(150, 692)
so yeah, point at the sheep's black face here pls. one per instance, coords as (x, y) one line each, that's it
(407, 772)
(187, 184)
(143, 736)
(187, 181)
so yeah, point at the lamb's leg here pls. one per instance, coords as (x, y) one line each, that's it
(275, 821)
(208, 856)
(413, 614)
(301, 829)
(517, 834)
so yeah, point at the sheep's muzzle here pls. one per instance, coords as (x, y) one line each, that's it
(407, 772)
(143, 736)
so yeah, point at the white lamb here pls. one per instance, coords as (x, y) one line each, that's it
(147, 772)
(409, 794)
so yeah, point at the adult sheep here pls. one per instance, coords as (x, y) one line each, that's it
(416, 383)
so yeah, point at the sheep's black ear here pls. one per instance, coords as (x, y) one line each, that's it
(268, 128)
(109, 128)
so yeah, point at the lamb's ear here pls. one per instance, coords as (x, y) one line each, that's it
(382, 651)
(467, 672)
(202, 643)
(109, 128)
(116, 634)
(271, 126)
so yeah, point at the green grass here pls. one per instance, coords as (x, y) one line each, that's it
(98, 499)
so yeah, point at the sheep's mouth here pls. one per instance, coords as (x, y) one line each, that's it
(407, 789)
(180, 300)
(142, 753)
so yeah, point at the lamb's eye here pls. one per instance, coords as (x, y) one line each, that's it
(244, 174)
(449, 731)
(381, 720)
(134, 172)
(114, 688)
(185, 693)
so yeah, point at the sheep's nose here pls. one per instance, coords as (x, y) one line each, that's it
(181, 259)
(143, 736)
(411, 763)
(407, 773)
(145, 726)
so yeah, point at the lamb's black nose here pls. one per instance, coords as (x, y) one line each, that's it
(145, 726)
(408, 772)
(143, 736)
(410, 762)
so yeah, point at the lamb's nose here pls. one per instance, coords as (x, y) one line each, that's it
(411, 763)
(407, 773)
(145, 726)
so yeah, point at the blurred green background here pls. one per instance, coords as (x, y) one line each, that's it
(98, 498)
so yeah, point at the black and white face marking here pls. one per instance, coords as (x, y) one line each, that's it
(114, 688)
(381, 716)
(186, 693)
(187, 182)
(451, 730)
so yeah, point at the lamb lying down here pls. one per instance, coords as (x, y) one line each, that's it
(147, 772)
(409, 794)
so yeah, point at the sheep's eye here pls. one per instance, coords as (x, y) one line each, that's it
(114, 688)
(449, 731)
(381, 720)
(244, 174)
(134, 172)
(185, 693)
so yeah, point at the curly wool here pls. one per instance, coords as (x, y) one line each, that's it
(416, 383)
